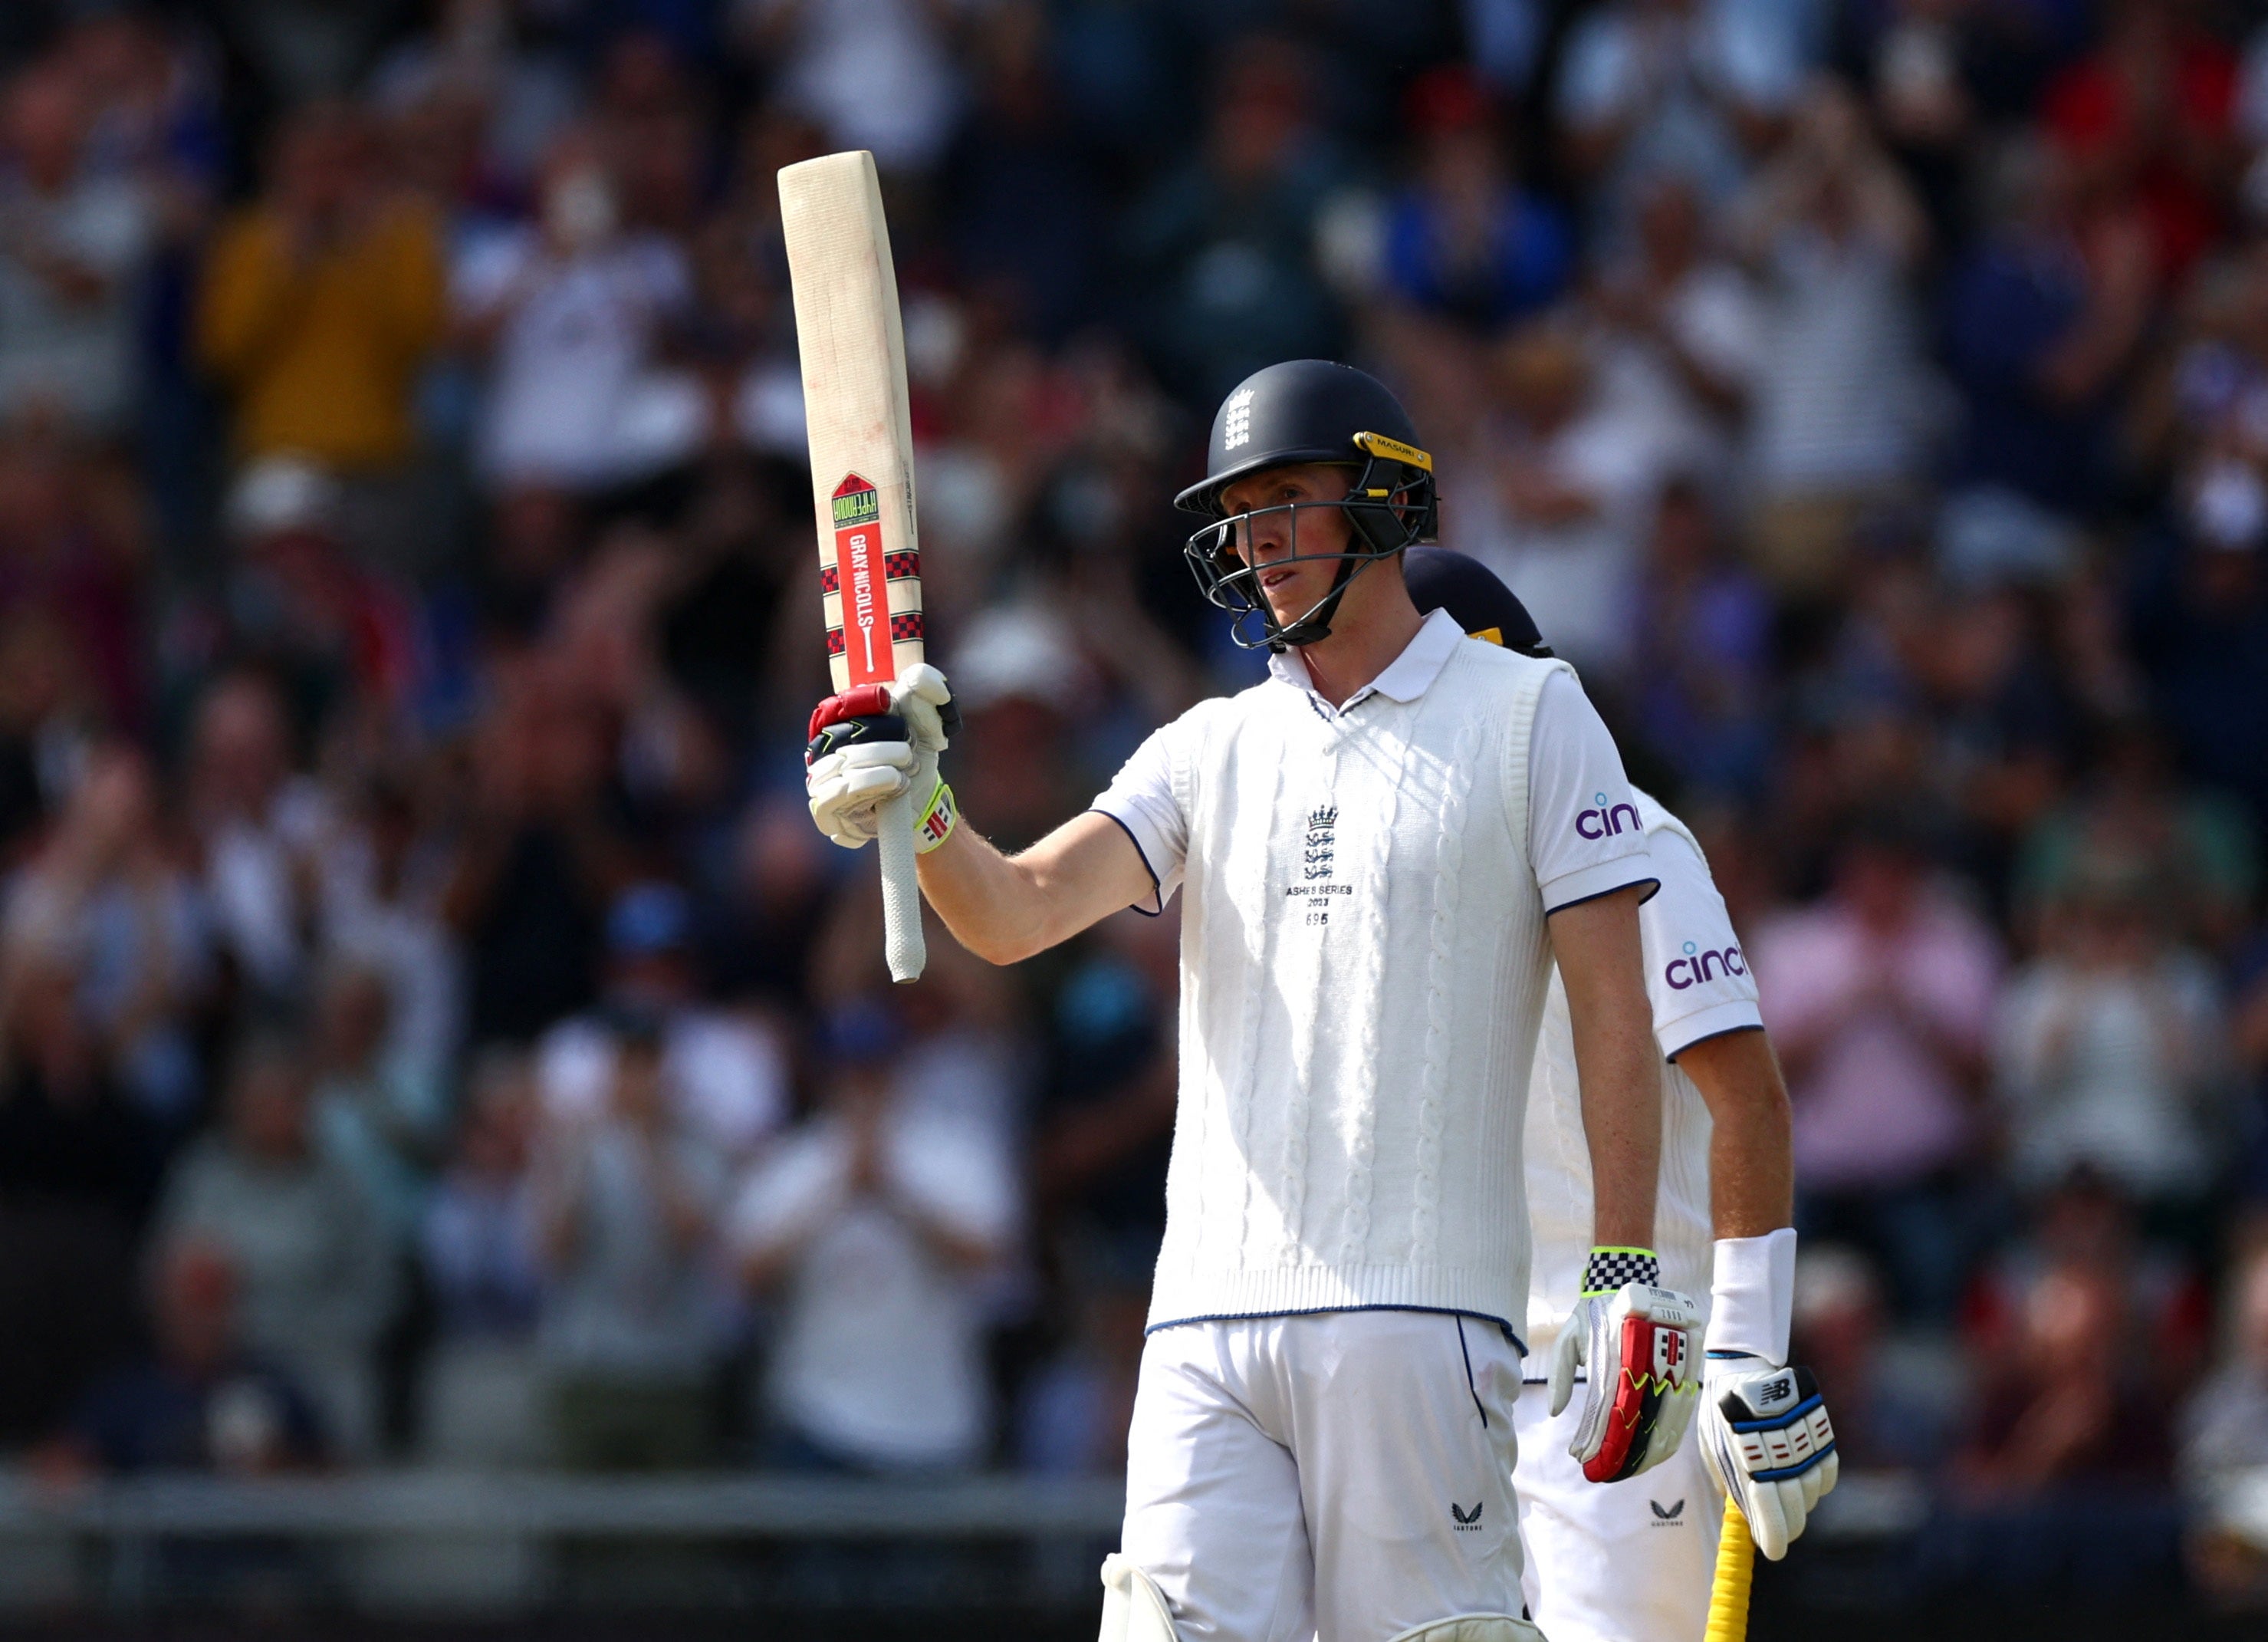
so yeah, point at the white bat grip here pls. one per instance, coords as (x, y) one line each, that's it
(901, 916)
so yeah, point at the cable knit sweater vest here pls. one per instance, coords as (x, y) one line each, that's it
(1364, 958)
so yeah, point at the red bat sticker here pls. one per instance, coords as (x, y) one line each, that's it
(860, 574)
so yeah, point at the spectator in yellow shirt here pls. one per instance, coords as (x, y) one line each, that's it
(321, 302)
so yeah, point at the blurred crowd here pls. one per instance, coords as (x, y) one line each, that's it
(431, 1028)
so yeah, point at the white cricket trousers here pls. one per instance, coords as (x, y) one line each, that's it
(1613, 1562)
(1342, 1476)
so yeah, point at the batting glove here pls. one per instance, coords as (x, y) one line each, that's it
(870, 744)
(1636, 1342)
(1767, 1441)
(922, 698)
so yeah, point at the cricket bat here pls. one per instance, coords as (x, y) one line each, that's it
(1728, 1592)
(853, 350)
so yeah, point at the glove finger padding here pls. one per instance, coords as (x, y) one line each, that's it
(1566, 1357)
(1768, 1442)
(1636, 1344)
(847, 786)
(921, 697)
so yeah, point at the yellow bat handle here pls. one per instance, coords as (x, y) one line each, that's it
(1728, 1593)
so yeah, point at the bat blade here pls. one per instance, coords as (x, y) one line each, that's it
(853, 346)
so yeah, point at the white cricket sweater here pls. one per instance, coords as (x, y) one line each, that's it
(1698, 980)
(1364, 956)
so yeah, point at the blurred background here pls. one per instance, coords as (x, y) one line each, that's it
(459, 1153)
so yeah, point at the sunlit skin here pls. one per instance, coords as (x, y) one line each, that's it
(1375, 620)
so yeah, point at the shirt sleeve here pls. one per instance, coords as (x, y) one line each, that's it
(1696, 976)
(1140, 798)
(1585, 838)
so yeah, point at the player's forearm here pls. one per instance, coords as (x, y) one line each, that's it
(1617, 1061)
(1622, 1125)
(1006, 908)
(991, 905)
(1751, 1146)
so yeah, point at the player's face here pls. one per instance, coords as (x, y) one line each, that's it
(1288, 546)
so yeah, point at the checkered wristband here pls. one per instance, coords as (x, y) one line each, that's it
(938, 817)
(1608, 1268)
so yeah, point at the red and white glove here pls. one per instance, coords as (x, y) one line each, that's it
(1637, 1344)
(1764, 1430)
(870, 744)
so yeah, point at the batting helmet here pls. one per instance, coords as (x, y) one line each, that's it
(1470, 591)
(1301, 411)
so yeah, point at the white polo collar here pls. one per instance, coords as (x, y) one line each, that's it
(1404, 679)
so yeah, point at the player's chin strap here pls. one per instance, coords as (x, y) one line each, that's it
(1473, 1628)
(1316, 625)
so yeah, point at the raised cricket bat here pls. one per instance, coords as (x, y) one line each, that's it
(853, 350)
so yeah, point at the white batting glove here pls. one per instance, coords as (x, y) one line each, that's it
(922, 698)
(871, 745)
(1636, 1344)
(1764, 1432)
(847, 787)
(1767, 1441)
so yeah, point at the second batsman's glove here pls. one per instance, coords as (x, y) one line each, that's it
(1767, 1441)
(1765, 1431)
(1636, 1343)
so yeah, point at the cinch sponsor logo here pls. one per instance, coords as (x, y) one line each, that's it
(1604, 822)
(1697, 966)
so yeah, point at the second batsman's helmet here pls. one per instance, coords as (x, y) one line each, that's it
(1302, 411)
(1471, 592)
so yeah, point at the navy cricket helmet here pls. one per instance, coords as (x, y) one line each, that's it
(1440, 580)
(1303, 411)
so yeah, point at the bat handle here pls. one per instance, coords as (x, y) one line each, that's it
(1728, 1593)
(902, 914)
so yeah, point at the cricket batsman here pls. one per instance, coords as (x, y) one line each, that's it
(1382, 850)
(1633, 1564)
